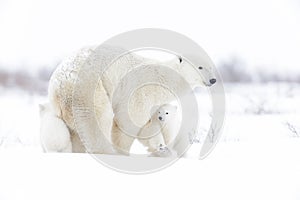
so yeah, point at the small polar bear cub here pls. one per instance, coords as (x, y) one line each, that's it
(55, 136)
(160, 130)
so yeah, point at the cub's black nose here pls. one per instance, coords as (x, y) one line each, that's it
(160, 118)
(213, 81)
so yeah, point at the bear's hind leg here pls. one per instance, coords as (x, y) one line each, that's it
(121, 141)
(68, 148)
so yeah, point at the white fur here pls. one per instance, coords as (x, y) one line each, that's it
(110, 106)
(55, 136)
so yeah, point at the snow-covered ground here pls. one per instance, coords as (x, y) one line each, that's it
(258, 156)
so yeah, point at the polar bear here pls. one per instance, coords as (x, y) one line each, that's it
(55, 136)
(161, 129)
(112, 113)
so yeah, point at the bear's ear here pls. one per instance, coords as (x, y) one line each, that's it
(177, 60)
(180, 59)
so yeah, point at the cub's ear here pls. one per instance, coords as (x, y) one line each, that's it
(154, 109)
(174, 107)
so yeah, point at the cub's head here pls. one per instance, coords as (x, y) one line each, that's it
(164, 113)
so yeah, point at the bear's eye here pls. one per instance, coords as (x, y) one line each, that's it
(158, 112)
(167, 113)
(200, 67)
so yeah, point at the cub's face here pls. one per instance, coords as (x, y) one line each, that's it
(165, 113)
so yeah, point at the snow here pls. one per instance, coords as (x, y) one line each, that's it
(256, 158)
(19, 125)
(232, 171)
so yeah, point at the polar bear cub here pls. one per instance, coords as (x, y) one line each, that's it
(160, 130)
(55, 136)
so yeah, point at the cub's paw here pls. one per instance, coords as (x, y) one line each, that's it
(162, 148)
(162, 151)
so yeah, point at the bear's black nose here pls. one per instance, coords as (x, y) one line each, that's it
(213, 81)
(160, 118)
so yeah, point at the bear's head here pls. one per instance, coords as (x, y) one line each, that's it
(196, 76)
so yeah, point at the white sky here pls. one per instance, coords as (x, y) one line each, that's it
(263, 32)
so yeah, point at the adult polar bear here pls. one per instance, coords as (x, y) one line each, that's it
(108, 121)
